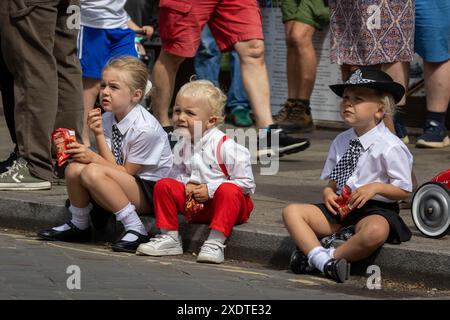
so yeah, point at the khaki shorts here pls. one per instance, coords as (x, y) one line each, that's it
(312, 12)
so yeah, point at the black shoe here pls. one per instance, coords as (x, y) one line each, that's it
(172, 141)
(129, 246)
(6, 164)
(299, 263)
(337, 269)
(286, 144)
(72, 235)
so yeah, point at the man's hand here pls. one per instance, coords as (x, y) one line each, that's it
(94, 121)
(200, 193)
(80, 152)
(363, 194)
(329, 198)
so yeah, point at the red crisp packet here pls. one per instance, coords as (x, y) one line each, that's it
(192, 207)
(344, 208)
(61, 138)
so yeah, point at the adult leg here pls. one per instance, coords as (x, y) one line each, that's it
(207, 59)
(237, 96)
(302, 60)
(163, 77)
(70, 107)
(31, 39)
(370, 234)
(301, 72)
(255, 79)
(437, 88)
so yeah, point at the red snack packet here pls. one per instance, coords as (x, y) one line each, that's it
(192, 207)
(61, 138)
(344, 208)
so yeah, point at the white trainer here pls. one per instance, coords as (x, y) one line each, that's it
(211, 252)
(161, 245)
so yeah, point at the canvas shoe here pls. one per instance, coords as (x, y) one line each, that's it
(211, 252)
(161, 245)
(240, 116)
(18, 177)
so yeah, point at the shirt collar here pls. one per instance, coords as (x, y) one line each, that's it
(206, 137)
(369, 137)
(128, 121)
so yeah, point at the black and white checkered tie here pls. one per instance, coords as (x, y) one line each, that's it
(117, 144)
(345, 167)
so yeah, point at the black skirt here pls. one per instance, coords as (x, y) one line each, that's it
(399, 231)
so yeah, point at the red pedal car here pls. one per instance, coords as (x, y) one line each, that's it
(430, 207)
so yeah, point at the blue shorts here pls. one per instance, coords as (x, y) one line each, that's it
(432, 39)
(97, 46)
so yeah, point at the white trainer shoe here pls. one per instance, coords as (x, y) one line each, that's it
(211, 252)
(161, 245)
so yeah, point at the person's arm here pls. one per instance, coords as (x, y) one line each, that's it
(363, 194)
(330, 196)
(145, 30)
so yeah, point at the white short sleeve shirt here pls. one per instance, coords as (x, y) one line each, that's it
(104, 14)
(384, 158)
(144, 142)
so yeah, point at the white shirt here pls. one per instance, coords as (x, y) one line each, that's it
(384, 158)
(144, 142)
(198, 163)
(103, 14)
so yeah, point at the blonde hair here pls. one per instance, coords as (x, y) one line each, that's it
(387, 100)
(137, 74)
(206, 89)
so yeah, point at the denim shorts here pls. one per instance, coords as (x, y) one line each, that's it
(432, 36)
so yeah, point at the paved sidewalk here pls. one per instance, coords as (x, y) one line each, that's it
(264, 239)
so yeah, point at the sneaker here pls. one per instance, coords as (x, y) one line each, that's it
(286, 143)
(434, 136)
(6, 164)
(18, 177)
(299, 263)
(211, 252)
(161, 245)
(400, 129)
(240, 117)
(337, 269)
(298, 118)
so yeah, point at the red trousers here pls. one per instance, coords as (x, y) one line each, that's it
(228, 207)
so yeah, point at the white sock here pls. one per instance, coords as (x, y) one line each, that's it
(80, 218)
(173, 233)
(331, 251)
(318, 257)
(217, 236)
(131, 221)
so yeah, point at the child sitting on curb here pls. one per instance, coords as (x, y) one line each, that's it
(133, 154)
(212, 169)
(374, 163)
